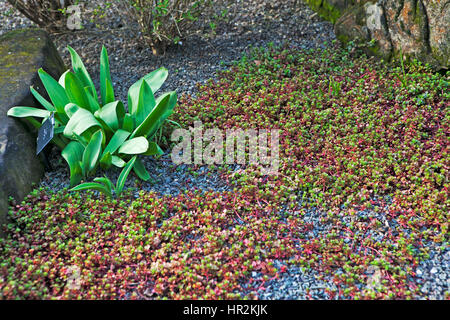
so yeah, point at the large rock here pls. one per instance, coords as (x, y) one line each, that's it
(418, 28)
(438, 20)
(22, 53)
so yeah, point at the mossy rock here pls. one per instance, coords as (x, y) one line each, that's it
(332, 10)
(22, 53)
(416, 28)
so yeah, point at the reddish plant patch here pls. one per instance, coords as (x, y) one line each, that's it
(363, 154)
(190, 246)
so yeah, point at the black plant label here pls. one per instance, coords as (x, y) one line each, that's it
(46, 132)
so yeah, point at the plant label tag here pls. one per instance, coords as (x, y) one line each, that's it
(46, 133)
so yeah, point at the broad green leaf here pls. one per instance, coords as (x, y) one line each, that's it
(47, 105)
(106, 160)
(112, 114)
(73, 154)
(154, 79)
(153, 150)
(70, 109)
(134, 146)
(93, 103)
(59, 130)
(169, 110)
(140, 170)
(36, 124)
(87, 134)
(128, 123)
(118, 162)
(116, 141)
(145, 104)
(93, 186)
(23, 112)
(108, 131)
(109, 91)
(81, 121)
(124, 175)
(92, 152)
(75, 91)
(84, 141)
(106, 88)
(62, 79)
(155, 119)
(55, 91)
(106, 182)
(61, 118)
(81, 72)
(172, 101)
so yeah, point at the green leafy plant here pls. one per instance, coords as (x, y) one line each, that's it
(164, 22)
(213, 27)
(96, 130)
(402, 78)
(334, 87)
(105, 185)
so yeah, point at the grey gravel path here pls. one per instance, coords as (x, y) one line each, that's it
(166, 178)
(433, 274)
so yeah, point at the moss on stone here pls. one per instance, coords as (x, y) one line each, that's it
(343, 38)
(21, 51)
(31, 45)
(329, 12)
(19, 48)
(325, 9)
(336, 10)
(443, 58)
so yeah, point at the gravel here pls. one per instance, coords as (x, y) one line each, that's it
(433, 274)
(296, 283)
(11, 19)
(193, 62)
(166, 179)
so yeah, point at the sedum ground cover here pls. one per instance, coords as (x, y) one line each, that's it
(363, 186)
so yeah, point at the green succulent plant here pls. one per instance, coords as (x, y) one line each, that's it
(105, 185)
(97, 130)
